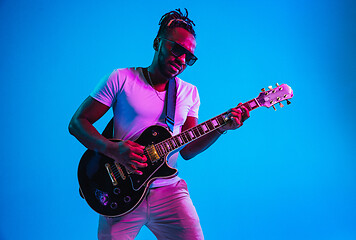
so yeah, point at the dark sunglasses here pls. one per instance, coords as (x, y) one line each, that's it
(178, 50)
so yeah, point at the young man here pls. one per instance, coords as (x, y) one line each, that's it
(137, 96)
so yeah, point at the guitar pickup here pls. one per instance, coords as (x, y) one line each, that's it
(152, 153)
(121, 172)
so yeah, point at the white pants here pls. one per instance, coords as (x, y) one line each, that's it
(167, 211)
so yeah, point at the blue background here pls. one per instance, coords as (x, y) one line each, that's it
(288, 174)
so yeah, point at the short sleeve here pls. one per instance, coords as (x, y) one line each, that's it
(194, 109)
(105, 92)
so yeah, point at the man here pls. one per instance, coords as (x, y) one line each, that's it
(137, 96)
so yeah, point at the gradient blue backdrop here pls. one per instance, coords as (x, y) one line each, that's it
(288, 174)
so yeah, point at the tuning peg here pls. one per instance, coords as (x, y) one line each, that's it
(263, 89)
(288, 102)
(281, 104)
(274, 108)
(277, 84)
(270, 87)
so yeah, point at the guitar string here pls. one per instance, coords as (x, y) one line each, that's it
(185, 136)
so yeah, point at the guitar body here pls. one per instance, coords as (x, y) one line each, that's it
(109, 188)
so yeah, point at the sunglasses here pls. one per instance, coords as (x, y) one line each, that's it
(178, 50)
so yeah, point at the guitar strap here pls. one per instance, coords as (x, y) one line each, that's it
(171, 103)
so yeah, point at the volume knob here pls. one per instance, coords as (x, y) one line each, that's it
(113, 205)
(127, 199)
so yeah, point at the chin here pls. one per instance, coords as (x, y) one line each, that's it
(167, 73)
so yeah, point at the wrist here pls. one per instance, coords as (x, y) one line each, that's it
(108, 147)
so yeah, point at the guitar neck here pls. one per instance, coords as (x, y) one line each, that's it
(192, 134)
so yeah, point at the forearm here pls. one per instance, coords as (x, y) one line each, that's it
(81, 126)
(87, 134)
(199, 145)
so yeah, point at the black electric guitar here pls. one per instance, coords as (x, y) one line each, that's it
(111, 190)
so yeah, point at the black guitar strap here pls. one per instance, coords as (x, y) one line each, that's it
(171, 103)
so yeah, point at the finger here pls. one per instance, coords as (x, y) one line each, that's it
(134, 144)
(246, 113)
(242, 112)
(137, 157)
(137, 164)
(135, 147)
(237, 122)
(242, 108)
(237, 113)
(138, 152)
(131, 168)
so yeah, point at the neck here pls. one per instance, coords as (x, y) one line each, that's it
(156, 79)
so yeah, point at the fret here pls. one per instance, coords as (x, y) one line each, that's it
(159, 150)
(214, 122)
(176, 139)
(174, 144)
(180, 140)
(209, 125)
(162, 149)
(165, 150)
(201, 131)
(170, 145)
(246, 105)
(188, 136)
(185, 140)
(204, 127)
(166, 145)
(220, 120)
(191, 134)
(196, 132)
(252, 104)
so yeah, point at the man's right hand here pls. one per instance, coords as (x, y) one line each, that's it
(129, 154)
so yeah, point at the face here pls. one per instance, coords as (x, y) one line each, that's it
(169, 64)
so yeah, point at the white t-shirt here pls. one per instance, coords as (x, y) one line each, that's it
(136, 106)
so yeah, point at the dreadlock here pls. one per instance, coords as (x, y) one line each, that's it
(175, 19)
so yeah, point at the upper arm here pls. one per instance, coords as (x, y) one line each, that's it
(90, 110)
(189, 123)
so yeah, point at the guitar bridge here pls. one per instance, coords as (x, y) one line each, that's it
(152, 153)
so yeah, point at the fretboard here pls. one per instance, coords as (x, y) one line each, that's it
(190, 135)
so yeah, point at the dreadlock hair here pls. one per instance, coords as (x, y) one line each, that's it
(174, 19)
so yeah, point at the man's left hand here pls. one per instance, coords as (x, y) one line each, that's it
(237, 115)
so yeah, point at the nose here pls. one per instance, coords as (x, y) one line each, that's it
(181, 58)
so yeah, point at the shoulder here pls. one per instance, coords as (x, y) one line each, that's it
(123, 76)
(126, 72)
(184, 84)
(186, 88)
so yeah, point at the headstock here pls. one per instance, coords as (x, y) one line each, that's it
(275, 95)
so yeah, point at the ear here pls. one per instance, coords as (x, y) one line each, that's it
(156, 44)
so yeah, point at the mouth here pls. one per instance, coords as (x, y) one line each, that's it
(175, 66)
